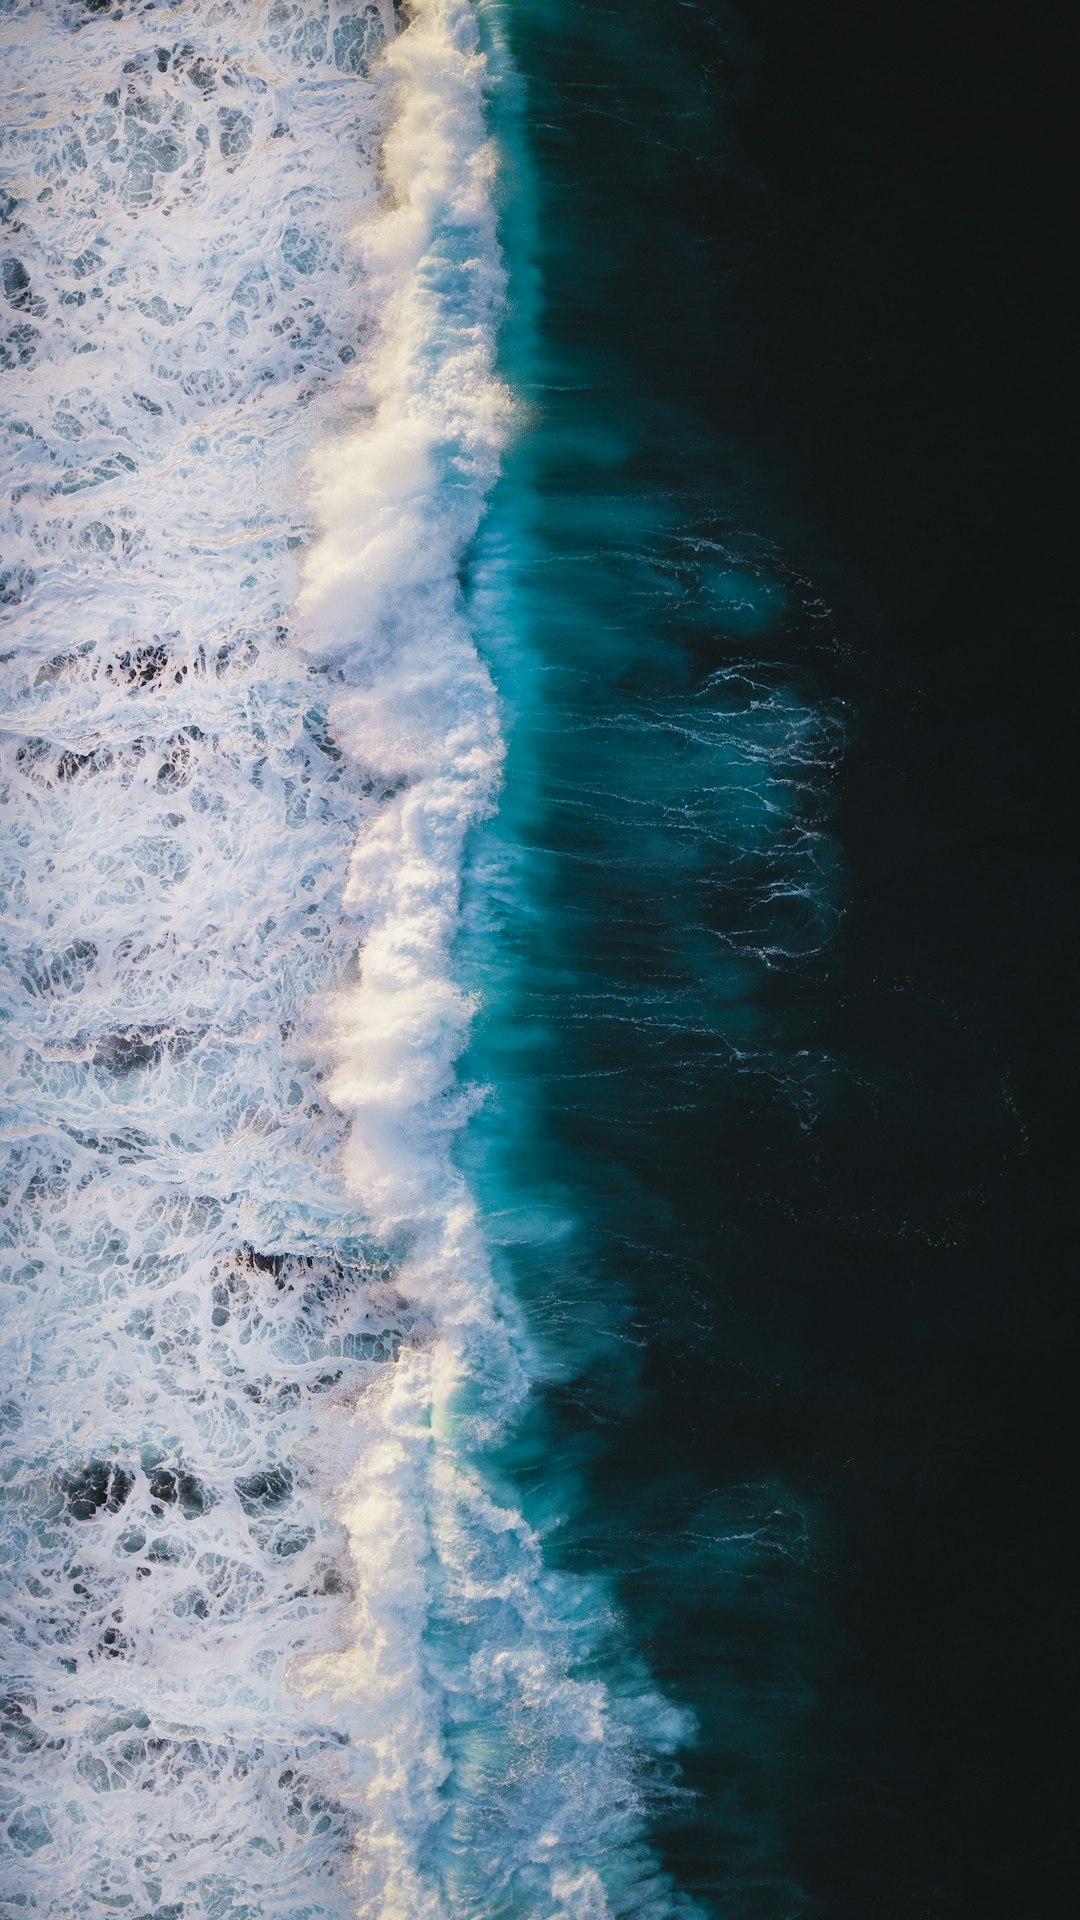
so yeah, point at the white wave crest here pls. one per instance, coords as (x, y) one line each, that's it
(517, 1772)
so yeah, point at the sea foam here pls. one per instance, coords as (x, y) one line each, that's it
(274, 1643)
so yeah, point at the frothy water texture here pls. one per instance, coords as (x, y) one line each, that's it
(273, 1643)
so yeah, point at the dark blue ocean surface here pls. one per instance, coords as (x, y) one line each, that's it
(767, 930)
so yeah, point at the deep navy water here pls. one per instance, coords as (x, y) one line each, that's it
(783, 1052)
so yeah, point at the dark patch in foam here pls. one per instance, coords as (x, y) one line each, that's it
(15, 583)
(264, 1492)
(101, 1486)
(130, 1049)
(143, 665)
(66, 970)
(16, 281)
(176, 1486)
(70, 764)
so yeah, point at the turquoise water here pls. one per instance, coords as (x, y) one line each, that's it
(659, 886)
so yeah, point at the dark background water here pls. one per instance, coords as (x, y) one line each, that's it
(804, 296)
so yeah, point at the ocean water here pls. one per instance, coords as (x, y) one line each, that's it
(494, 1107)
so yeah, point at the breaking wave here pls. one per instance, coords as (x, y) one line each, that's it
(277, 1643)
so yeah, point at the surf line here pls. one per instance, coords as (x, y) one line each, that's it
(492, 1763)
(396, 496)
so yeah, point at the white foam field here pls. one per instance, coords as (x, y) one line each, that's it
(272, 1648)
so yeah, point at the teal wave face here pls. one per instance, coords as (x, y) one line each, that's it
(660, 887)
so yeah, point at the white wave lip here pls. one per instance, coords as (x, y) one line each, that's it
(398, 501)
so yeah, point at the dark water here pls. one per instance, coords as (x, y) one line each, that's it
(780, 1025)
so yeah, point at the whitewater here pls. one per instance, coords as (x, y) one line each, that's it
(277, 1640)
